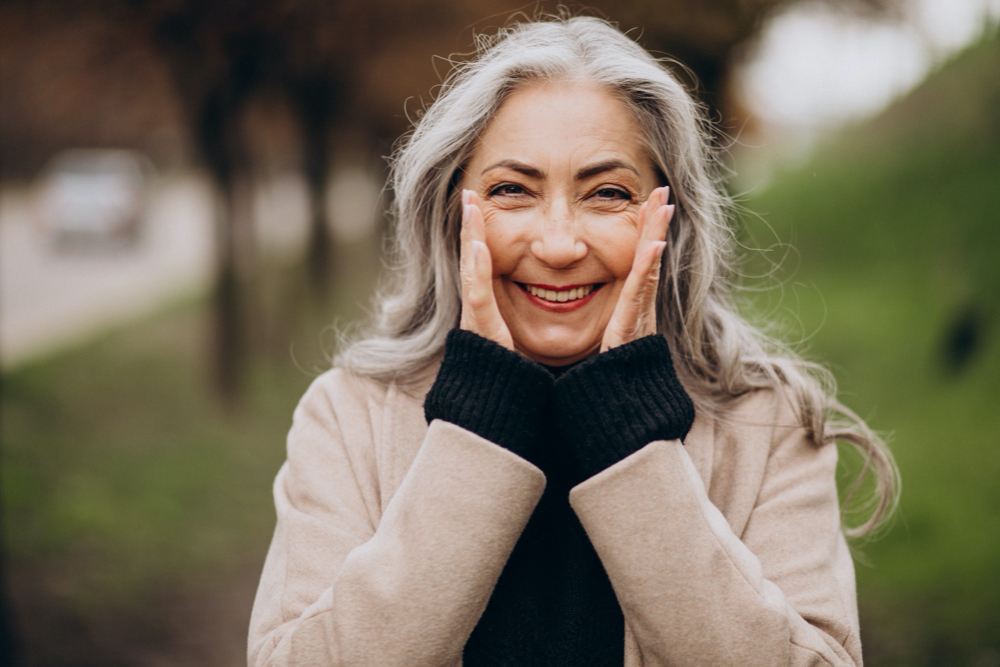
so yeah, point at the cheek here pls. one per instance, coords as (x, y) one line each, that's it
(507, 237)
(613, 242)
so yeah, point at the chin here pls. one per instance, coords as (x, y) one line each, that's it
(558, 350)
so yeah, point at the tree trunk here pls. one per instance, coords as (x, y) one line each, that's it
(221, 144)
(315, 101)
(9, 648)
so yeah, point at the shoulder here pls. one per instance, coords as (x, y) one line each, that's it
(339, 388)
(346, 396)
(764, 422)
(769, 410)
(359, 414)
(759, 448)
(339, 435)
(342, 388)
(338, 409)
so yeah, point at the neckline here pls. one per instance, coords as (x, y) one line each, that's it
(558, 371)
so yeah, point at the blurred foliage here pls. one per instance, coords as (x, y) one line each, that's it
(142, 73)
(894, 281)
(338, 70)
(126, 486)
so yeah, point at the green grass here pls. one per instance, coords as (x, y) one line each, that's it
(117, 460)
(123, 471)
(896, 227)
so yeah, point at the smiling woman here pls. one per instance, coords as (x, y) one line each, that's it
(561, 444)
(559, 187)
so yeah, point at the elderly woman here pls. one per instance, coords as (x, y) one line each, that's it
(562, 445)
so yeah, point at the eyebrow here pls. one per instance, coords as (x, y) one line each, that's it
(514, 165)
(601, 167)
(582, 175)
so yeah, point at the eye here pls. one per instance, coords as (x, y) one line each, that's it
(509, 189)
(613, 194)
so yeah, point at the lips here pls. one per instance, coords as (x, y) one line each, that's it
(559, 298)
(560, 294)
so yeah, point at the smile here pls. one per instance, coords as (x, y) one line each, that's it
(560, 299)
(560, 295)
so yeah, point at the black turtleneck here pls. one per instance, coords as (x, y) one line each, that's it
(553, 603)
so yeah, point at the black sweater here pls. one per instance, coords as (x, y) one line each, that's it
(554, 604)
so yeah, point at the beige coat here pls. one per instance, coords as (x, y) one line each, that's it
(726, 550)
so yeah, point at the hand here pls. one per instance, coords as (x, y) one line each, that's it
(635, 313)
(480, 313)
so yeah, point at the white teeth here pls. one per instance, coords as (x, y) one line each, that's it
(560, 296)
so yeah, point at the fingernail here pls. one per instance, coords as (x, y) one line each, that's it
(466, 195)
(661, 246)
(466, 211)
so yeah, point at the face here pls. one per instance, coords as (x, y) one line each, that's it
(560, 173)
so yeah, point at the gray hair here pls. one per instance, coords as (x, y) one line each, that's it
(719, 355)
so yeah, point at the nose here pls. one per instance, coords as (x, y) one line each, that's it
(558, 243)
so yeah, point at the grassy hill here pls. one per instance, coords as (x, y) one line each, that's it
(136, 509)
(894, 281)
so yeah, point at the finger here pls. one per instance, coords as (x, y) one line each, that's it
(660, 222)
(642, 216)
(647, 305)
(657, 198)
(647, 205)
(654, 231)
(481, 285)
(465, 248)
(476, 226)
(630, 299)
(659, 234)
(646, 277)
(646, 248)
(482, 299)
(647, 215)
(466, 266)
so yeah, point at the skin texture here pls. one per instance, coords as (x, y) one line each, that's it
(560, 192)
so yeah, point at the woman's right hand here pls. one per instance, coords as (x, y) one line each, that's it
(480, 313)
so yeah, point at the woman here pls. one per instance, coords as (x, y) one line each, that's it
(562, 445)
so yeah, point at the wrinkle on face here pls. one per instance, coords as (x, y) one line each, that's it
(561, 173)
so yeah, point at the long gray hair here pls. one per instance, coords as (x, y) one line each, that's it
(719, 356)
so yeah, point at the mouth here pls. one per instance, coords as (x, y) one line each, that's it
(560, 299)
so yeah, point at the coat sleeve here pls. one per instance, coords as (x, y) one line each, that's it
(343, 586)
(695, 593)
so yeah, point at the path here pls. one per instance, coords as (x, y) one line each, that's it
(49, 298)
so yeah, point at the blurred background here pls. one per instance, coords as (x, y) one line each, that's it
(191, 206)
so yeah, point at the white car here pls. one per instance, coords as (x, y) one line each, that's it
(94, 196)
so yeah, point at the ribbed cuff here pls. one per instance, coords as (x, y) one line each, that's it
(616, 403)
(492, 391)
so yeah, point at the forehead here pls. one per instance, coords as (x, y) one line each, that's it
(550, 121)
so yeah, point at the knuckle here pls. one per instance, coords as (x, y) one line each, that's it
(476, 298)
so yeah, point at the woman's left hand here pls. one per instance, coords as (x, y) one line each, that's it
(635, 313)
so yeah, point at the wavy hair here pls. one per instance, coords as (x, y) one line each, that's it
(719, 355)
